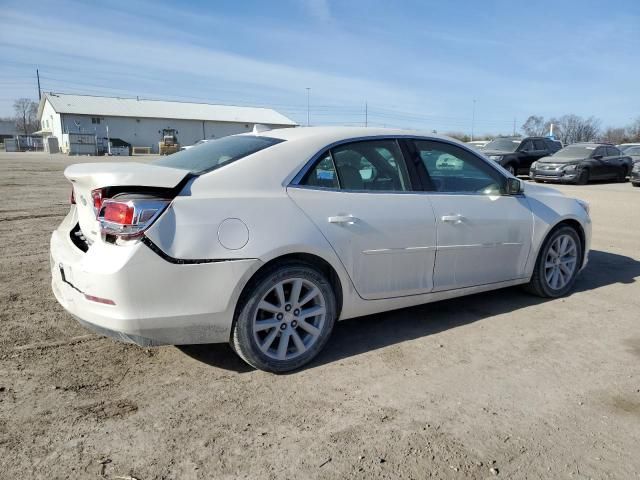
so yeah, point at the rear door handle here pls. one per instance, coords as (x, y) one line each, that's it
(456, 219)
(343, 219)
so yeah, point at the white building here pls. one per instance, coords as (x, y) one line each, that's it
(140, 122)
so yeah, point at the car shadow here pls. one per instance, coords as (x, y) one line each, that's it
(363, 334)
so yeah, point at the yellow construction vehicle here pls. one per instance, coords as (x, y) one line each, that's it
(169, 143)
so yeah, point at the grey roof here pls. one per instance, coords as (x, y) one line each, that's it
(132, 107)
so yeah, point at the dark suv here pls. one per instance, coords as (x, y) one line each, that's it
(516, 154)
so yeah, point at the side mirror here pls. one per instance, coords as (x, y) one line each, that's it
(597, 157)
(514, 186)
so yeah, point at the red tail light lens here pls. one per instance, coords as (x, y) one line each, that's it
(120, 213)
(96, 196)
(128, 217)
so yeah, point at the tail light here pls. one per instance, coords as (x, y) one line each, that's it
(96, 197)
(129, 217)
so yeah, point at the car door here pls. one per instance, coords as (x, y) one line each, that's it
(617, 163)
(482, 236)
(527, 155)
(360, 196)
(541, 149)
(599, 167)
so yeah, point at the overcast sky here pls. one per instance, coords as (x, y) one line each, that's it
(415, 64)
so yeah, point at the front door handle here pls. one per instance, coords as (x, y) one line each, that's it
(343, 219)
(455, 219)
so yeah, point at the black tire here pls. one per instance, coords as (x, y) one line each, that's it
(537, 181)
(583, 177)
(635, 184)
(242, 337)
(512, 169)
(538, 284)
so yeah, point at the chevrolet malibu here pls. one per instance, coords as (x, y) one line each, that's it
(265, 240)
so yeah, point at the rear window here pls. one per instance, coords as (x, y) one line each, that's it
(216, 153)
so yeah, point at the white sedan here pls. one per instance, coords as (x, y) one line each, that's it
(265, 240)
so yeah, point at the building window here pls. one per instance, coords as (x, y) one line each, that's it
(95, 120)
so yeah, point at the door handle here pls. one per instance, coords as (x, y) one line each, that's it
(455, 219)
(343, 219)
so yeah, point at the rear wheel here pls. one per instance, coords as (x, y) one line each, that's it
(285, 318)
(583, 177)
(557, 264)
(622, 175)
(636, 184)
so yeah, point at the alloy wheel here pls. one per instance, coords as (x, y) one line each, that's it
(560, 262)
(289, 318)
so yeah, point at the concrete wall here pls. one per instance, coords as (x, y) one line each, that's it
(143, 132)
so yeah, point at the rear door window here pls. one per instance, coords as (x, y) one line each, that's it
(323, 175)
(371, 165)
(613, 152)
(539, 145)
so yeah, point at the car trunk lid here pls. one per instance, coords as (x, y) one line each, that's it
(88, 177)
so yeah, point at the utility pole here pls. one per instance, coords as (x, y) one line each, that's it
(473, 118)
(366, 114)
(39, 92)
(308, 104)
(514, 126)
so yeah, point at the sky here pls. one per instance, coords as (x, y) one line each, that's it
(449, 66)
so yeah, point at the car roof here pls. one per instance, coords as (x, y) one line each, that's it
(330, 135)
(590, 144)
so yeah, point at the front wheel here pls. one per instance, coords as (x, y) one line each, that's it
(583, 177)
(284, 318)
(511, 168)
(557, 265)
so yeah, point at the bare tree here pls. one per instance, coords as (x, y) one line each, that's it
(633, 131)
(534, 126)
(615, 135)
(572, 129)
(26, 115)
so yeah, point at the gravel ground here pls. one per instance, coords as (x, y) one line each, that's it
(498, 384)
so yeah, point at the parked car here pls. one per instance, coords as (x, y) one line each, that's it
(581, 162)
(634, 153)
(516, 154)
(624, 146)
(478, 144)
(266, 240)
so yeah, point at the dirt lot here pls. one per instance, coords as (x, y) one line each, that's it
(502, 380)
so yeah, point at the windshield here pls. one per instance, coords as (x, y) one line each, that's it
(212, 154)
(503, 144)
(574, 152)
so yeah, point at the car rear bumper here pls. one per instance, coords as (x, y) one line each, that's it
(155, 302)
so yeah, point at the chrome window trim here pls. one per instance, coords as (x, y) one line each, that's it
(295, 182)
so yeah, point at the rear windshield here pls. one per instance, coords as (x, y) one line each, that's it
(213, 154)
